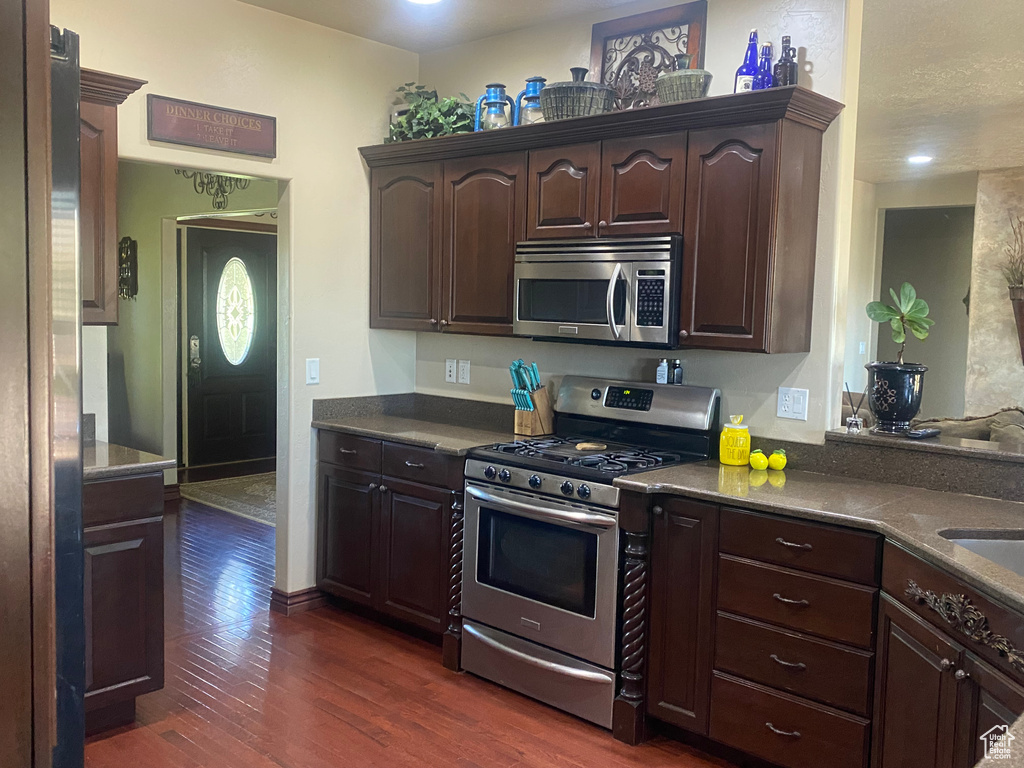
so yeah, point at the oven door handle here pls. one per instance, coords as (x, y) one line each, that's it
(539, 511)
(548, 666)
(610, 300)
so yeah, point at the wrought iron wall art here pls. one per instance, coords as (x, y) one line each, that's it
(215, 185)
(127, 268)
(628, 54)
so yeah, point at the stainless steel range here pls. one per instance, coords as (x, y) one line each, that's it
(539, 590)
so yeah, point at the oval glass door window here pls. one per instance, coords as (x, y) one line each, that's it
(236, 311)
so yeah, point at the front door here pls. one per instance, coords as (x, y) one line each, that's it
(231, 345)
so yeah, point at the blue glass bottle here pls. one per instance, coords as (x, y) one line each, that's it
(748, 70)
(764, 79)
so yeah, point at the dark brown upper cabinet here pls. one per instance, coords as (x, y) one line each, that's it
(750, 236)
(642, 181)
(737, 175)
(405, 247)
(563, 197)
(485, 216)
(101, 95)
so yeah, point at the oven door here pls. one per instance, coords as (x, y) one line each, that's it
(573, 300)
(543, 570)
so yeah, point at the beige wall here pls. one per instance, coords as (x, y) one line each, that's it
(995, 373)
(749, 382)
(139, 371)
(94, 376)
(862, 286)
(329, 93)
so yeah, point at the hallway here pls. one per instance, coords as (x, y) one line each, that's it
(245, 688)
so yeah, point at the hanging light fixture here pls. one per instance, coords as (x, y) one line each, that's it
(215, 185)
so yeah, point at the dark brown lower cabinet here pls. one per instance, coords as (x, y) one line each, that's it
(915, 692)
(989, 702)
(685, 547)
(348, 505)
(123, 540)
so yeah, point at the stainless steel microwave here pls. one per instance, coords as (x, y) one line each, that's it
(599, 290)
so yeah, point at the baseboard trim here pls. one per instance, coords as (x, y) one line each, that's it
(172, 492)
(292, 603)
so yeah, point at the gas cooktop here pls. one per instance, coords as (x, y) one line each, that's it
(567, 454)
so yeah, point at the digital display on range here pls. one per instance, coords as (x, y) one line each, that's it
(631, 399)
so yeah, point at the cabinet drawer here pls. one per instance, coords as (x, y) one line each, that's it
(824, 549)
(816, 604)
(817, 669)
(121, 499)
(349, 451)
(784, 729)
(423, 465)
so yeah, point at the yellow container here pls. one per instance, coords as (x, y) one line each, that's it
(734, 446)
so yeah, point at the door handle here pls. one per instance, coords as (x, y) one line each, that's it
(610, 300)
(194, 360)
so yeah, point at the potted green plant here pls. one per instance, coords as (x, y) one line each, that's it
(426, 117)
(895, 388)
(1013, 271)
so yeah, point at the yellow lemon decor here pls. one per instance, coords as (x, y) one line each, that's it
(758, 460)
(777, 460)
(734, 446)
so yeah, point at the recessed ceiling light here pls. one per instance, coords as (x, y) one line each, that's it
(919, 159)
(424, 2)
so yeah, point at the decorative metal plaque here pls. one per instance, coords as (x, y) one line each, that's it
(632, 63)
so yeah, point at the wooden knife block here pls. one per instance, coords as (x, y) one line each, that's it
(539, 421)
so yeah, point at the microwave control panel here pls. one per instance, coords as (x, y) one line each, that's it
(629, 398)
(650, 294)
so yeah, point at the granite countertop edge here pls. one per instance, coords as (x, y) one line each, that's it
(120, 461)
(443, 438)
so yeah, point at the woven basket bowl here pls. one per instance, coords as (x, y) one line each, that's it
(683, 85)
(559, 101)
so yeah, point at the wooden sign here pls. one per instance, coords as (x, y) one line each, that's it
(202, 125)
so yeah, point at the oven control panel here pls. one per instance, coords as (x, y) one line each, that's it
(650, 299)
(629, 398)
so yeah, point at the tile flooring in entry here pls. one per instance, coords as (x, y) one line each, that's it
(245, 688)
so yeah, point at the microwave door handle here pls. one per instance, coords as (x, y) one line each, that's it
(536, 510)
(610, 300)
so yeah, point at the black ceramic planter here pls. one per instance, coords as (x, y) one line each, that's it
(895, 395)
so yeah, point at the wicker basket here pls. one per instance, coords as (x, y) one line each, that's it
(579, 98)
(683, 85)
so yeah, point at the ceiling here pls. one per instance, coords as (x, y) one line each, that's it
(422, 28)
(943, 78)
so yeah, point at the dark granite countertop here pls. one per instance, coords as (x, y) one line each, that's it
(446, 438)
(912, 517)
(950, 446)
(102, 460)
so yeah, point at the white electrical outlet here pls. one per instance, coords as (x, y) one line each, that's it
(793, 403)
(463, 371)
(449, 370)
(313, 370)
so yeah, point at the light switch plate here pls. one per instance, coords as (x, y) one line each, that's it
(312, 370)
(463, 371)
(793, 403)
(449, 370)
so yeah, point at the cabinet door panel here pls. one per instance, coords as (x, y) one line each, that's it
(915, 692)
(727, 237)
(348, 504)
(563, 196)
(405, 232)
(682, 606)
(98, 213)
(414, 553)
(642, 184)
(989, 703)
(485, 206)
(124, 611)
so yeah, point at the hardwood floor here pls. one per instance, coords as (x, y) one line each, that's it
(246, 688)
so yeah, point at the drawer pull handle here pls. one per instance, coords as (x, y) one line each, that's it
(777, 732)
(793, 545)
(347, 451)
(799, 665)
(789, 601)
(414, 465)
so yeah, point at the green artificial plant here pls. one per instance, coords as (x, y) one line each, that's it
(429, 116)
(910, 313)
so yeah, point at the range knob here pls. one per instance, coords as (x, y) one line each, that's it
(535, 481)
(567, 488)
(490, 473)
(583, 491)
(504, 475)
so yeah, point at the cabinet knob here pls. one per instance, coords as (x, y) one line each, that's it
(945, 664)
(657, 509)
(372, 487)
(602, 224)
(683, 334)
(961, 675)
(383, 489)
(587, 225)
(433, 321)
(444, 323)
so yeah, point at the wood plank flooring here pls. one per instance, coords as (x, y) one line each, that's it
(249, 689)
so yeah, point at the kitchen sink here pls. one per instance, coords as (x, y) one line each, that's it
(1003, 547)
